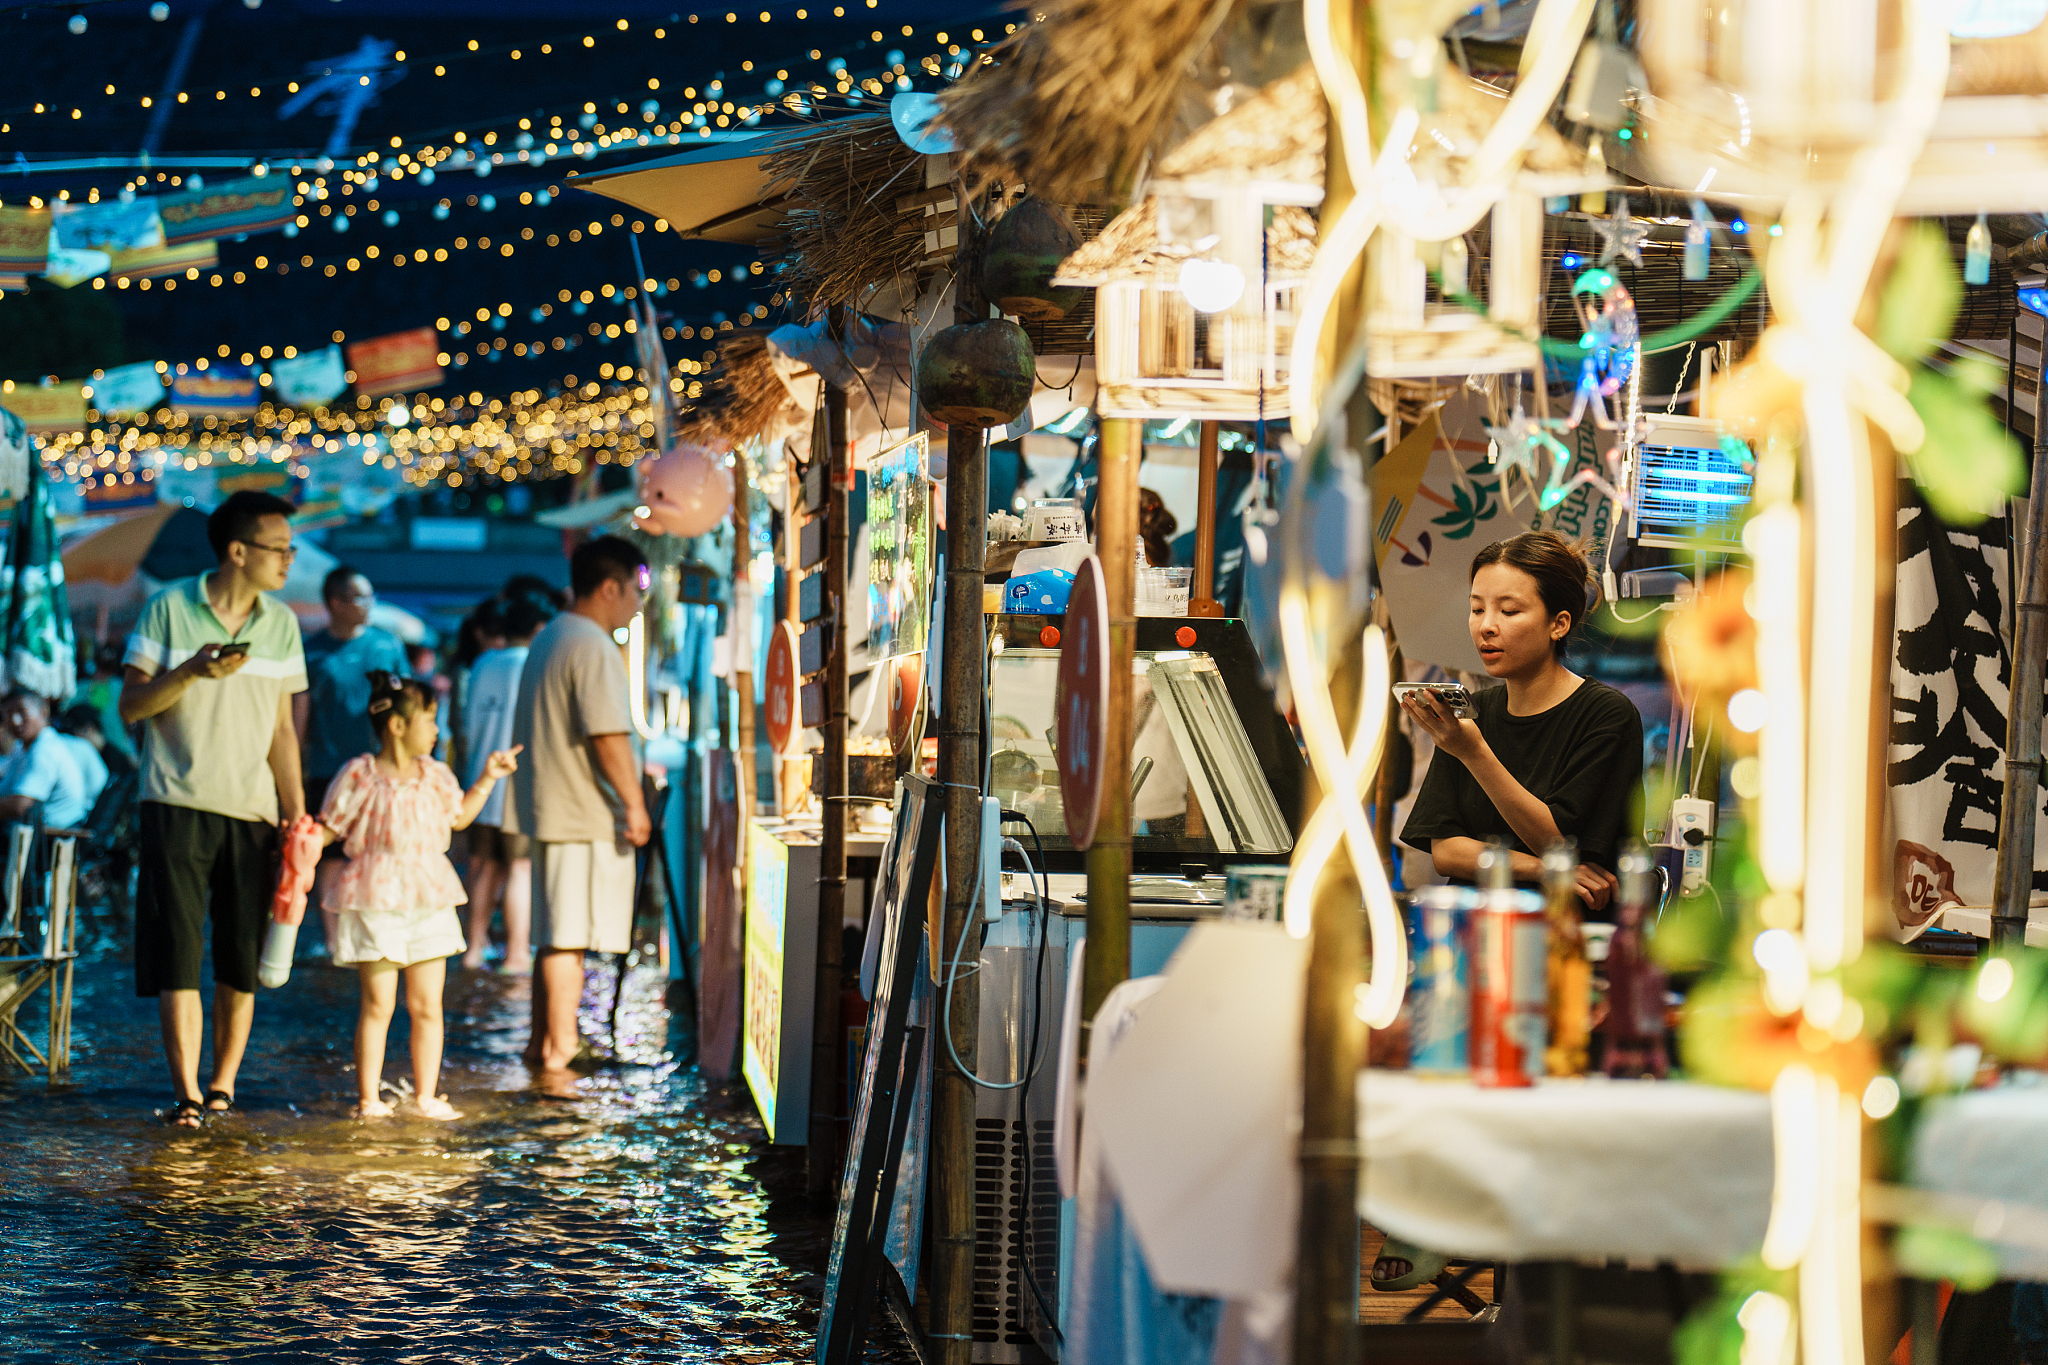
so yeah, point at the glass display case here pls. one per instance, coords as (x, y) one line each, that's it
(1215, 775)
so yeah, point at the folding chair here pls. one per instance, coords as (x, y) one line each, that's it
(38, 942)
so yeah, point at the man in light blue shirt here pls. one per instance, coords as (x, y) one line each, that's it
(42, 768)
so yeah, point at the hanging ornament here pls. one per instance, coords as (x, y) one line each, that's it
(1977, 253)
(1611, 339)
(1621, 235)
(683, 492)
(1699, 242)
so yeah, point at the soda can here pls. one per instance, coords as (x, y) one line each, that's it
(1510, 988)
(1440, 979)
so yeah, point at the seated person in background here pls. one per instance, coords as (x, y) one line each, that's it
(91, 766)
(42, 768)
(81, 721)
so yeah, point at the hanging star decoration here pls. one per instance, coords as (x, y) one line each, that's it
(1621, 235)
(1521, 442)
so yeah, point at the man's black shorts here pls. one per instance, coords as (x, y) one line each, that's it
(196, 863)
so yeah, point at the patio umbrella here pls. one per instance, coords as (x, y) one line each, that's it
(112, 554)
(41, 653)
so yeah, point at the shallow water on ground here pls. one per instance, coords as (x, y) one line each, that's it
(641, 1215)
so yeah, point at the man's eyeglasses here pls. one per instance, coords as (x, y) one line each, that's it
(290, 552)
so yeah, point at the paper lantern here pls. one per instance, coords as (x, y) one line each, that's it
(685, 491)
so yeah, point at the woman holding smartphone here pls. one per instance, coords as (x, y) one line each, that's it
(1550, 755)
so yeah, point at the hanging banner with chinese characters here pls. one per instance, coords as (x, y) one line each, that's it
(24, 245)
(310, 378)
(224, 390)
(47, 407)
(396, 362)
(151, 262)
(1951, 675)
(255, 204)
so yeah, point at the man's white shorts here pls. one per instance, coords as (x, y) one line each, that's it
(583, 896)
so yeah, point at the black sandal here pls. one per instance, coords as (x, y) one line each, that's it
(227, 1105)
(183, 1110)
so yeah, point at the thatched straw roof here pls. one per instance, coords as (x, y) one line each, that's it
(745, 396)
(1278, 134)
(842, 229)
(1130, 249)
(1087, 91)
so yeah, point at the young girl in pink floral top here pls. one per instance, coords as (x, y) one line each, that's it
(393, 811)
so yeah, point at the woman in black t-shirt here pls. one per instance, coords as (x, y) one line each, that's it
(1551, 755)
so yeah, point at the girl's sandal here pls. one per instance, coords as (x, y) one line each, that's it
(186, 1114)
(226, 1103)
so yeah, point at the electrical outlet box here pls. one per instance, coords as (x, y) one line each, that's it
(1692, 831)
(991, 859)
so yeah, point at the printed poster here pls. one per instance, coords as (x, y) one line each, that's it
(761, 1031)
(310, 378)
(396, 362)
(109, 225)
(128, 389)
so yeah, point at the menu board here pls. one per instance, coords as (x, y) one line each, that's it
(899, 550)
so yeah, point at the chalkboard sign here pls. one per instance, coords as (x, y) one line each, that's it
(888, 1081)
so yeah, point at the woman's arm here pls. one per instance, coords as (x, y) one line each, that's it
(1529, 818)
(502, 763)
(1459, 857)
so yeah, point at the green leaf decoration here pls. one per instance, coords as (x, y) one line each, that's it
(1927, 1253)
(1920, 299)
(1968, 465)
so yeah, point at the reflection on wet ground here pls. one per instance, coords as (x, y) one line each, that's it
(645, 1217)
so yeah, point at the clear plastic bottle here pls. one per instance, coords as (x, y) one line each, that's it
(1977, 253)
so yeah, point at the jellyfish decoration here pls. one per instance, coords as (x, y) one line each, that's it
(685, 491)
(1611, 340)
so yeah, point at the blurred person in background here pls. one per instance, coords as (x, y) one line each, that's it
(99, 686)
(499, 860)
(82, 722)
(482, 631)
(577, 795)
(331, 715)
(42, 770)
(533, 585)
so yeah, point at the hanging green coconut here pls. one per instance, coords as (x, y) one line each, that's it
(1024, 251)
(977, 374)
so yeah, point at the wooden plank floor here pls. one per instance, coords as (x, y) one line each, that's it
(1377, 1306)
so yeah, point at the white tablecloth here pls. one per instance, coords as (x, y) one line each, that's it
(1594, 1169)
(1992, 1144)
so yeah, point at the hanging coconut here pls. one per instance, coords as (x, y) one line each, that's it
(1024, 251)
(977, 374)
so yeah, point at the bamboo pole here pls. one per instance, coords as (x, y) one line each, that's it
(821, 1164)
(1202, 591)
(1333, 1037)
(1106, 959)
(962, 667)
(2014, 879)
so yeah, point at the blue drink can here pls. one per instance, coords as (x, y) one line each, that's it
(1440, 979)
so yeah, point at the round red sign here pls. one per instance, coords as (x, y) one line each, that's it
(1081, 708)
(780, 686)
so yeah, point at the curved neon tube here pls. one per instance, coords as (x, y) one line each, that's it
(1319, 838)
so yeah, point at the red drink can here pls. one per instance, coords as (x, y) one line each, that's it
(1510, 988)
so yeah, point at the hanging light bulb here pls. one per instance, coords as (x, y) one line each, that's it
(1457, 267)
(1699, 242)
(1977, 253)
(1210, 286)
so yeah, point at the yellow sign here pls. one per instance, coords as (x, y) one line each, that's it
(59, 407)
(761, 1031)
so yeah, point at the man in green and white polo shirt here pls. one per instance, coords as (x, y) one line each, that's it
(211, 669)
